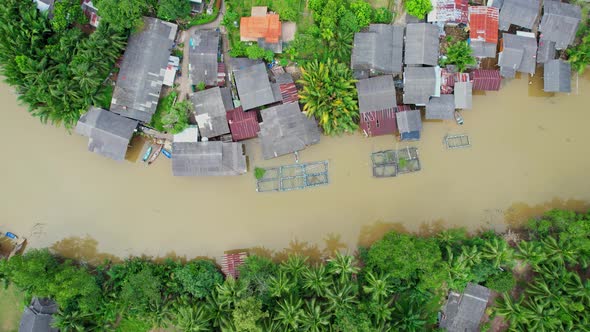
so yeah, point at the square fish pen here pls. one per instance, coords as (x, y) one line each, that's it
(293, 177)
(457, 141)
(408, 161)
(390, 163)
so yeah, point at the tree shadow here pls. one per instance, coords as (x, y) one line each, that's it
(83, 249)
(333, 244)
(519, 213)
(375, 231)
(431, 228)
(296, 247)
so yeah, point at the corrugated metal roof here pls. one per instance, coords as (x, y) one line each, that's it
(463, 95)
(483, 23)
(379, 49)
(557, 76)
(382, 122)
(441, 108)
(267, 27)
(243, 125)
(449, 11)
(486, 80)
(422, 44)
(522, 13)
(560, 22)
(289, 93)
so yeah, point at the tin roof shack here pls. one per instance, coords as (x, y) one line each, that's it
(285, 129)
(422, 44)
(378, 51)
(483, 31)
(463, 95)
(210, 112)
(287, 88)
(208, 159)
(522, 13)
(254, 86)
(451, 12)
(38, 316)
(463, 312)
(377, 105)
(546, 51)
(409, 124)
(142, 71)
(109, 133)
(486, 79)
(560, 23)
(202, 55)
(557, 76)
(519, 54)
(263, 28)
(243, 125)
(420, 83)
(441, 108)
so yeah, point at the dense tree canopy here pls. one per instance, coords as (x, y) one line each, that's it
(418, 8)
(123, 15)
(460, 55)
(171, 10)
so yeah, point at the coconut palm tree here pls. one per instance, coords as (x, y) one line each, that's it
(561, 252)
(229, 291)
(189, 318)
(511, 310)
(407, 316)
(219, 312)
(530, 252)
(574, 287)
(342, 295)
(314, 318)
(378, 286)
(470, 255)
(497, 251)
(316, 279)
(70, 321)
(280, 285)
(289, 313)
(160, 313)
(295, 265)
(343, 266)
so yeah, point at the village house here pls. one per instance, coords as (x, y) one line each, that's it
(262, 27)
(202, 56)
(557, 76)
(449, 12)
(486, 79)
(285, 129)
(441, 108)
(422, 44)
(377, 104)
(522, 13)
(463, 312)
(209, 111)
(420, 83)
(109, 133)
(409, 123)
(213, 158)
(38, 316)
(483, 31)
(142, 71)
(254, 87)
(560, 23)
(463, 95)
(519, 54)
(378, 51)
(546, 51)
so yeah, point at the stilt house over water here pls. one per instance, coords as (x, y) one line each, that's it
(377, 105)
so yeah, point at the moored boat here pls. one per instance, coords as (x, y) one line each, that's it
(147, 154)
(166, 153)
(156, 154)
(458, 118)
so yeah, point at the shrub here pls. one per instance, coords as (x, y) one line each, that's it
(199, 277)
(382, 15)
(418, 8)
(501, 282)
(460, 55)
(259, 173)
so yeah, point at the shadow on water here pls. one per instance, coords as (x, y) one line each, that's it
(375, 231)
(333, 244)
(519, 213)
(431, 228)
(536, 84)
(84, 249)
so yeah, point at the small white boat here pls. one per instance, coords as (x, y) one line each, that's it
(458, 118)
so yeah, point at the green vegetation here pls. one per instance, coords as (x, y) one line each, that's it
(123, 15)
(460, 55)
(201, 86)
(66, 13)
(418, 8)
(396, 284)
(172, 10)
(202, 18)
(579, 54)
(171, 116)
(329, 95)
(259, 173)
(58, 74)
(12, 304)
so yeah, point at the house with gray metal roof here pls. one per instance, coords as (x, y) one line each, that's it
(379, 50)
(519, 54)
(142, 71)
(560, 23)
(285, 129)
(522, 13)
(482, 49)
(441, 108)
(420, 83)
(254, 87)
(546, 51)
(209, 111)
(213, 158)
(109, 133)
(463, 95)
(557, 76)
(409, 124)
(422, 44)
(38, 316)
(463, 312)
(202, 55)
(377, 104)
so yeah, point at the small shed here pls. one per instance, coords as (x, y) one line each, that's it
(377, 105)
(486, 79)
(420, 83)
(519, 54)
(210, 112)
(441, 108)
(557, 76)
(463, 95)
(378, 50)
(409, 124)
(451, 12)
(560, 23)
(522, 13)
(213, 158)
(38, 316)
(463, 312)
(109, 133)
(422, 44)
(254, 87)
(546, 51)
(243, 125)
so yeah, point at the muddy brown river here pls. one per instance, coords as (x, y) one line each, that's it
(529, 153)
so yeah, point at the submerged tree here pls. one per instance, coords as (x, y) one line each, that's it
(329, 95)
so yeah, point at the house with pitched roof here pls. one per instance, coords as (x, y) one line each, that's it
(409, 124)
(451, 12)
(441, 108)
(285, 129)
(108, 133)
(483, 31)
(422, 44)
(518, 54)
(254, 87)
(522, 13)
(486, 79)
(420, 83)
(560, 23)
(214, 158)
(378, 51)
(209, 111)
(377, 104)
(38, 316)
(142, 71)
(557, 76)
(263, 28)
(546, 51)
(463, 312)
(202, 56)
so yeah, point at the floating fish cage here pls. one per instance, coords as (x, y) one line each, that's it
(390, 163)
(293, 177)
(457, 141)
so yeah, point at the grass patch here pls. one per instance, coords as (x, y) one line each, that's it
(288, 10)
(259, 173)
(11, 305)
(203, 18)
(164, 106)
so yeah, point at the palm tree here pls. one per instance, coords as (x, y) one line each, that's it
(314, 318)
(561, 252)
(378, 286)
(191, 318)
(340, 47)
(343, 266)
(316, 280)
(407, 316)
(295, 265)
(530, 252)
(230, 291)
(280, 285)
(381, 311)
(540, 316)
(218, 311)
(498, 252)
(510, 310)
(70, 321)
(341, 295)
(574, 287)
(160, 314)
(470, 255)
(289, 313)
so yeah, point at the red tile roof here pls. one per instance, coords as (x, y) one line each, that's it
(483, 23)
(231, 262)
(243, 125)
(289, 93)
(377, 123)
(487, 80)
(267, 27)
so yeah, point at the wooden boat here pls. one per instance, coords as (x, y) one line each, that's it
(147, 154)
(166, 153)
(458, 118)
(156, 154)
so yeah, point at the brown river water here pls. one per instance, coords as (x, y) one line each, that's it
(529, 153)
